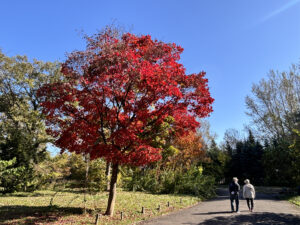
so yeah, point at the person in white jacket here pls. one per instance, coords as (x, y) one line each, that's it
(249, 194)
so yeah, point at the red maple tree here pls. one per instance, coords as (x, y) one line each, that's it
(115, 92)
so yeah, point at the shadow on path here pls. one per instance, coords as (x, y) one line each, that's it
(254, 218)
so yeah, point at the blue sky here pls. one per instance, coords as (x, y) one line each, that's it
(235, 41)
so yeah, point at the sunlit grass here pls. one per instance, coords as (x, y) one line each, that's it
(295, 200)
(67, 207)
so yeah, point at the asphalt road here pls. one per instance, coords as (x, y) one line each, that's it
(267, 210)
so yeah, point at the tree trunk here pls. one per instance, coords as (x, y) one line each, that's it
(107, 173)
(112, 190)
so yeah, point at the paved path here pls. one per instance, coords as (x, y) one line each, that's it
(267, 210)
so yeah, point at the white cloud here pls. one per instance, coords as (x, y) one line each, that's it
(280, 10)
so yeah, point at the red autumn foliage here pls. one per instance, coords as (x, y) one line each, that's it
(115, 91)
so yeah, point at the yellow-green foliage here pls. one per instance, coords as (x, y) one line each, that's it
(200, 169)
(189, 181)
(295, 200)
(170, 151)
(53, 169)
(97, 179)
(73, 167)
(10, 175)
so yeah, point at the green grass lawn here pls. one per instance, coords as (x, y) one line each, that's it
(67, 207)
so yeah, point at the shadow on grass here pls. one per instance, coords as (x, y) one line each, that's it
(33, 194)
(35, 214)
(68, 191)
(78, 191)
(254, 218)
(36, 194)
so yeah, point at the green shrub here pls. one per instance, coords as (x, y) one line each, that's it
(11, 178)
(97, 180)
(168, 181)
(195, 183)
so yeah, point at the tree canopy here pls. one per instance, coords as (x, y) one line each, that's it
(22, 128)
(116, 91)
(274, 103)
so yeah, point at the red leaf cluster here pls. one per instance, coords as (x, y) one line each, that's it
(115, 91)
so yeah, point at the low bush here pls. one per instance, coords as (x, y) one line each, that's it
(169, 181)
(12, 178)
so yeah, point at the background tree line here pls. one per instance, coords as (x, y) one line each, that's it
(270, 153)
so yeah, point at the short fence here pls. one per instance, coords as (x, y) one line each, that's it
(143, 210)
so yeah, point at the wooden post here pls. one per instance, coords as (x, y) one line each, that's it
(121, 215)
(168, 204)
(97, 218)
(143, 210)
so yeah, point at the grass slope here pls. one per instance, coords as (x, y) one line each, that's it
(67, 207)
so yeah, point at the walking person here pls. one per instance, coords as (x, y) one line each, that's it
(234, 188)
(249, 194)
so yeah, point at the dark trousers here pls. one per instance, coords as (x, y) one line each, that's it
(236, 199)
(250, 203)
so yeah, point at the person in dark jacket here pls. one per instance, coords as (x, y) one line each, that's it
(234, 188)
